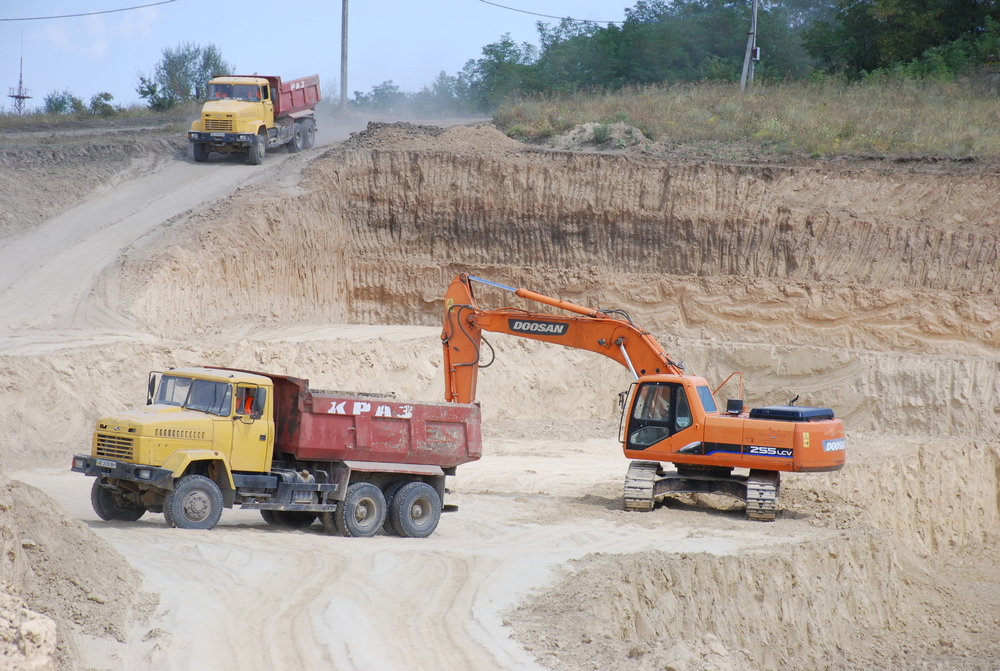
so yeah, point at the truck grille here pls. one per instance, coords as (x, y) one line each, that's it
(180, 433)
(115, 447)
(219, 125)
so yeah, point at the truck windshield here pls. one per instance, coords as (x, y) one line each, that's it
(215, 398)
(234, 92)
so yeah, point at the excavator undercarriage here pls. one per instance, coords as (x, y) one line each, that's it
(647, 482)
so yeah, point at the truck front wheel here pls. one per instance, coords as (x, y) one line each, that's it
(258, 149)
(360, 514)
(112, 506)
(200, 151)
(415, 511)
(194, 503)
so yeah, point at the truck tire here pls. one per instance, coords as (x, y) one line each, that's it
(200, 151)
(415, 511)
(390, 495)
(295, 145)
(308, 134)
(194, 503)
(289, 519)
(257, 150)
(362, 511)
(111, 506)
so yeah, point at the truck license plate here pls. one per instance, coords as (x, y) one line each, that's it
(218, 135)
(105, 463)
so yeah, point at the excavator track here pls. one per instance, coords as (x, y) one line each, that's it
(762, 495)
(639, 483)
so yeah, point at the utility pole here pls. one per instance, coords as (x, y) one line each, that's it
(343, 58)
(752, 55)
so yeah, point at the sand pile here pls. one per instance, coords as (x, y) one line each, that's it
(61, 582)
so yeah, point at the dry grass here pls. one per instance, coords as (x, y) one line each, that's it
(132, 114)
(949, 119)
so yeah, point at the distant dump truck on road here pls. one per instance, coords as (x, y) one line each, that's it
(213, 438)
(252, 114)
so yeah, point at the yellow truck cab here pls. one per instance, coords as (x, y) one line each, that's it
(197, 421)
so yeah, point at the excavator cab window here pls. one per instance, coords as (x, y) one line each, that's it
(660, 410)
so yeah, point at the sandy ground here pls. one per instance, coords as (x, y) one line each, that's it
(872, 290)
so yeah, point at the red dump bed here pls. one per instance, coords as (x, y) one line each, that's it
(297, 95)
(315, 426)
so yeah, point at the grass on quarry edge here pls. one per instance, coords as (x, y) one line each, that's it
(953, 119)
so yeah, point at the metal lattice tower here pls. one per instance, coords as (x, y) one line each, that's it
(20, 94)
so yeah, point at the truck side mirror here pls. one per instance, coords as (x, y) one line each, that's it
(734, 406)
(154, 377)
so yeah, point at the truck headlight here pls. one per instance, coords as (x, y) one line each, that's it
(79, 463)
(244, 138)
(144, 474)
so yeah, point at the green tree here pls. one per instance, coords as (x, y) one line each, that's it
(865, 35)
(502, 72)
(385, 96)
(100, 105)
(63, 102)
(158, 99)
(182, 74)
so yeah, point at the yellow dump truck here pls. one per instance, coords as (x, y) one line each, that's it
(252, 114)
(214, 438)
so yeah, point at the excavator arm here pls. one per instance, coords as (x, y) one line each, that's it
(602, 331)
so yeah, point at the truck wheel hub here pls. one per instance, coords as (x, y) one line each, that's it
(197, 506)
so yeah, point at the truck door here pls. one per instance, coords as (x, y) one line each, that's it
(252, 430)
(660, 412)
(268, 102)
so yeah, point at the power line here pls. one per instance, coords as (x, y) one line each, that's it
(107, 11)
(547, 16)
(617, 23)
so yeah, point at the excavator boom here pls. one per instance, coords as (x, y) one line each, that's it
(604, 332)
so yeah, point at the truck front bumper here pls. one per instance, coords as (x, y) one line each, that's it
(239, 139)
(123, 470)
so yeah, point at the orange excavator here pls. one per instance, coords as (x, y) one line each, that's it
(667, 415)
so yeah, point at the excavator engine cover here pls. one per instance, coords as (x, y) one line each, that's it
(791, 413)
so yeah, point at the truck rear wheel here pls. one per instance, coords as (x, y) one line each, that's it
(415, 511)
(112, 506)
(194, 503)
(295, 145)
(200, 151)
(308, 134)
(257, 150)
(361, 513)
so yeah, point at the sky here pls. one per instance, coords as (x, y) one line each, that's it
(407, 41)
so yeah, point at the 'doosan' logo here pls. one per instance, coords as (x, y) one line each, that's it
(534, 326)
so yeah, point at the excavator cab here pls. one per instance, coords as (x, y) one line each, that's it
(660, 410)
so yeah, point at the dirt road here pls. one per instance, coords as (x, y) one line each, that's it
(863, 289)
(386, 603)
